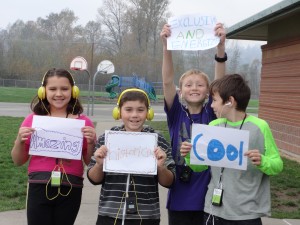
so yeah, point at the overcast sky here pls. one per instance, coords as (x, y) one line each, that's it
(227, 11)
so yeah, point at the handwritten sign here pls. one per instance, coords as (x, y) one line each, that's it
(219, 146)
(192, 32)
(56, 137)
(130, 152)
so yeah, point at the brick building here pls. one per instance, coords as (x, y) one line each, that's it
(279, 100)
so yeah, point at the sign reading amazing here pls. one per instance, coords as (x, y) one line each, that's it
(56, 137)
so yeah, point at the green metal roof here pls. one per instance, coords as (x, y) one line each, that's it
(256, 26)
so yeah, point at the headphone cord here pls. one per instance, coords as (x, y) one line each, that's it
(45, 107)
(74, 106)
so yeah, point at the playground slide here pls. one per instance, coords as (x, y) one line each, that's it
(125, 82)
(152, 94)
(111, 84)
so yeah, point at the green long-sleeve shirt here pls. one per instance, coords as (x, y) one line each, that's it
(246, 193)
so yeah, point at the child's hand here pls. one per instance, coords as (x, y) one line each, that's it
(24, 133)
(185, 148)
(89, 133)
(160, 156)
(220, 32)
(165, 33)
(100, 154)
(254, 156)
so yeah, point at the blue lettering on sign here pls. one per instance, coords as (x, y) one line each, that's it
(194, 147)
(216, 150)
(232, 153)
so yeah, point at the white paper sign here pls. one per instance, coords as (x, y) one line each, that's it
(219, 146)
(56, 137)
(130, 152)
(192, 32)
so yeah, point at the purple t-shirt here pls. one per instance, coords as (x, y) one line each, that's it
(186, 196)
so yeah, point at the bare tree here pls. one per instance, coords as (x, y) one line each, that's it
(144, 20)
(113, 17)
(233, 56)
(254, 77)
(59, 26)
(92, 36)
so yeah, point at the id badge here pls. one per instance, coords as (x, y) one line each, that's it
(217, 197)
(131, 205)
(55, 178)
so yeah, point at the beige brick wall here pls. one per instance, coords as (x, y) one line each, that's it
(279, 101)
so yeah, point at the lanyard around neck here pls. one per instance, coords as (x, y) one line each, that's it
(241, 123)
(222, 169)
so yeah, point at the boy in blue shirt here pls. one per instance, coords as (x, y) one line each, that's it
(186, 196)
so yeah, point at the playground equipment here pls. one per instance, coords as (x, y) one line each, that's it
(79, 63)
(133, 81)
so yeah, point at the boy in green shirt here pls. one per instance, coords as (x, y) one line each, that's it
(245, 193)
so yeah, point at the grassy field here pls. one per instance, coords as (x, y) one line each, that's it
(25, 95)
(13, 180)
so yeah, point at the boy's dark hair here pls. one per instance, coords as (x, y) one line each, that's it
(42, 108)
(134, 96)
(232, 85)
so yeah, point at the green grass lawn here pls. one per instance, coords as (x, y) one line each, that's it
(17, 95)
(13, 180)
(25, 95)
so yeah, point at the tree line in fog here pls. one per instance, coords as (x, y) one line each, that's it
(126, 32)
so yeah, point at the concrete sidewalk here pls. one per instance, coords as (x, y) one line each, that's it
(89, 206)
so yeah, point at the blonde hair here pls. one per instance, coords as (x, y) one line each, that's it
(193, 71)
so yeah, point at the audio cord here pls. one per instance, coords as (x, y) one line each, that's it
(210, 215)
(58, 167)
(124, 209)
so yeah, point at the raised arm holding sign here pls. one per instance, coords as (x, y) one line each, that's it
(183, 107)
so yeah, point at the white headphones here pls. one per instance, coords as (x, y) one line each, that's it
(228, 103)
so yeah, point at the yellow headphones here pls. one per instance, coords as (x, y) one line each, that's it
(116, 111)
(42, 90)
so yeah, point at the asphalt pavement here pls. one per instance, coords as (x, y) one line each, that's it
(89, 205)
